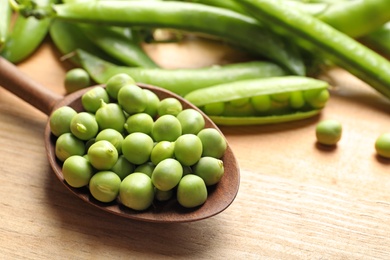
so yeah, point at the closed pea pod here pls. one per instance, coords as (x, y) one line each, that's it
(226, 24)
(314, 93)
(320, 38)
(180, 81)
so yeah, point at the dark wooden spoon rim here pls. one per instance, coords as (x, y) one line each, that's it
(220, 196)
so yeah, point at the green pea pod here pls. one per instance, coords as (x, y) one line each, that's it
(311, 8)
(379, 40)
(26, 35)
(357, 18)
(180, 81)
(262, 101)
(119, 44)
(68, 37)
(320, 38)
(237, 29)
(5, 19)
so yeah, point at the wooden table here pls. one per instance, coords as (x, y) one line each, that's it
(296, 200)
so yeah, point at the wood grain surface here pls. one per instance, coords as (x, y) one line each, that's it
(297, 200)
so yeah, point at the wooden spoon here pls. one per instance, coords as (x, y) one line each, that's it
(220, 196)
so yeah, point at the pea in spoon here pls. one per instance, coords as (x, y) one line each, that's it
(219, 198)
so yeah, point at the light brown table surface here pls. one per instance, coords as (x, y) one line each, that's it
(296, 201)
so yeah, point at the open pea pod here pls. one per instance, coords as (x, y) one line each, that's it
(262, 101)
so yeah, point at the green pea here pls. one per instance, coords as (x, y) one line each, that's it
(191, 121)
(153, 101)
(60, 120)
(132, 99)
(166, 128)
(137, 147)
(84, 126)
(382, 145)
(140, 122)
(102, 155)
(113, 136)
(317, 98)
(92, 99)
(136, 191)
(77, 171)
(214, 109)
(163, 195)
(104, 186)
(162, 150)
(67, 145)
(328, 132)
(188, 149)
(297, 100)
(213, 142)
(191, 191)
(261, 103)
(169, 106)
(76, 79)
(167, 174)
(110, 116)
(116, 82)
(122, 167)
(209, 169)
(146, 168)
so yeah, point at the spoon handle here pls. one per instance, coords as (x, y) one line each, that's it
(12, 79)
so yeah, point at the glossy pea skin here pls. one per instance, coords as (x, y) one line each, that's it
(136, 191)
(140, 122)
(111, 135)
(191, 191)
(93, 98)
(123, 167)
(213, 142)
(382, 145)
(214, 109)
(152, 103)
(110, 116)
(67, 145)
(169, 106)
(209, 169)
(104, 186)
(166, 128)
(188, 149)
(137, 147)
(132, 99)
(77, 171)
(328, 132)
(167, 174)
(60, 120)
(116, 82)
(162, 150)
(76, 79)
(102, 155)
(191, 121)
(84, 126)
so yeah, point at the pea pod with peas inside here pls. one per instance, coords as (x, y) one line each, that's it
(180, 81)
(262, 101)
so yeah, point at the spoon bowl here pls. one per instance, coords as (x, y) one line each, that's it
(220, 196)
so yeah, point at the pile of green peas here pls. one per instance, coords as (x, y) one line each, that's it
(130, 146)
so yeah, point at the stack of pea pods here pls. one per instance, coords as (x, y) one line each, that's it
(291, 41)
